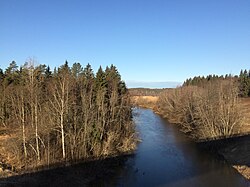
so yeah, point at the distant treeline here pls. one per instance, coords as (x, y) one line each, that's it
(243, 81)
(145, 91)
(64, 115)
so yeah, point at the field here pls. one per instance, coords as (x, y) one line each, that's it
(145, 101)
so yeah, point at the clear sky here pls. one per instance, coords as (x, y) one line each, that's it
(148, 40)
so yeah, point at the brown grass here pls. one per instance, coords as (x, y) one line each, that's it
(245, 111)
(243, 170)
(145, 101)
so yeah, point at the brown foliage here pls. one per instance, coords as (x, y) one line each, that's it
(208, 112)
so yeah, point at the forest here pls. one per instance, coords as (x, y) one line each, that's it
(243, 81)
(66, 115)
(208, 107)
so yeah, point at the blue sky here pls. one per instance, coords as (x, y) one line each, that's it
(148, 40)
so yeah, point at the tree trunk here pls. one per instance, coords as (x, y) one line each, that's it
(23, 128)
(36, 131)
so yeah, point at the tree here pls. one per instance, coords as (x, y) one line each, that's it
(11, 74)
(59, 88)
(76, 70)
(208, 112)
(244, 83)
(48, 73)
(66, 115)
(1, 75)
(100, 79)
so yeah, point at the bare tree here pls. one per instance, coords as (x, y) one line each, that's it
(59, 102)
(207, 112)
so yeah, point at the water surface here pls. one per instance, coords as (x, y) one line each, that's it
(165, 157)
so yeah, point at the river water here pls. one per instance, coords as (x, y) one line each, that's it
(165, 157)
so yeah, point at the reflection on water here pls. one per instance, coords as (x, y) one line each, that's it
(165, 157)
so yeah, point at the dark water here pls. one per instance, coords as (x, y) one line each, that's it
(165, 157)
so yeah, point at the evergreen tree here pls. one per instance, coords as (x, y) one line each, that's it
(88, 77)
(88, 72)
(64, 68)
(76, 69)
(1, 75)
(249, 83)
(11, 73)
(48, 73)
(100, 79)
(244, 83)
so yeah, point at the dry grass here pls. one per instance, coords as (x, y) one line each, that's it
(243, 170)
(145, 101)
(146, 98)
(245, 111)
(245, 128)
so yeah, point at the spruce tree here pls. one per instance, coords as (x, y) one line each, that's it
(244, 83)
(76, 70)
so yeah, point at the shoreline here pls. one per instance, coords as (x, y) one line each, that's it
(82, 173)
(149, 102)
(244, 170)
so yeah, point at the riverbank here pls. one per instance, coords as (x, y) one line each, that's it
(13, 174)
(172, 160)
(11, 169)
(235, 150)
(230, 152)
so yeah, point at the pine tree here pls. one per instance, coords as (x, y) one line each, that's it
(100, 79)
(244, 83)
(48, 73)
(1, 75)
(11, 74)
(76, 70)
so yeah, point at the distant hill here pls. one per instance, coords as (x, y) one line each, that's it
(146, 91)
(141, 84)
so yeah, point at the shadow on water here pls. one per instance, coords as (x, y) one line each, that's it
(236, 150)
(90, 173)
(165, 157)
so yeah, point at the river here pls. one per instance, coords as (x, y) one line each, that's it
(165, 157)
